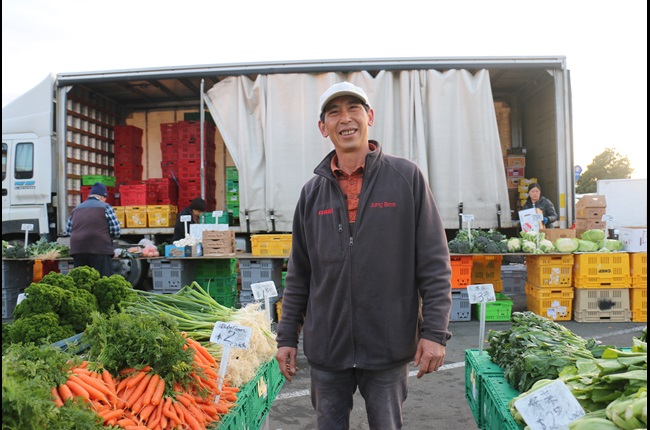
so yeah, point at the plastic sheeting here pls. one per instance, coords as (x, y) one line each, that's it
(443, 121)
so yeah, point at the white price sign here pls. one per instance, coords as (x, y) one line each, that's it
(27, 227)
(186, 218)
(264, 289)
(551, 407)
(481, 293)
(231, 335)
(607, 218)
(217, 214)
(468, 217)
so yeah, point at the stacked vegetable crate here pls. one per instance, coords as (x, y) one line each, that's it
(461, 277)
(486, 269)
(255, 270)
(639, 286)
(232, 194)
(218, 277)
(169, 276)
(602, 287)
(549, 290)
(16, 276)
(488, 393)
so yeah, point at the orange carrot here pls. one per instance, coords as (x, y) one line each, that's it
(146, 412)
(138, 390)
(93, 393)
(96, 383)
(151, 388)
(190, 418)
(179, 412)
(126, 422)
(116, 414)
(136, 428)
(158, 394)
(78, 390)
(65, 393)
(155, 416)
(133, 380)
(57, 398)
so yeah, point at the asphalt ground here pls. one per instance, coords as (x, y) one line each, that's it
(437, 401)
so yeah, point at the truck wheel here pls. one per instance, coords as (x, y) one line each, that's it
(132, 269)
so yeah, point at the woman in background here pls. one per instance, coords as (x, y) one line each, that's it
(543, 205)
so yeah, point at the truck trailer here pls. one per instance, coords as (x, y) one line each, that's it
(462, 120)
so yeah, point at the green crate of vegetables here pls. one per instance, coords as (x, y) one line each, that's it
(499, 310)
(495, 409)
(477, 368)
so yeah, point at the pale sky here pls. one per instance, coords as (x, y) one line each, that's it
(605, 43)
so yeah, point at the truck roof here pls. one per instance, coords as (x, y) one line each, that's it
(177, 86)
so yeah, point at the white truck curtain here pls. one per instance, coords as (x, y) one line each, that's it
(443, 121)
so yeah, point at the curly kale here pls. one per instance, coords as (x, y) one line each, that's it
(60, 280)
(84, 277)
(77, 311)
(111, 290)
(41, 298)
(39, 329)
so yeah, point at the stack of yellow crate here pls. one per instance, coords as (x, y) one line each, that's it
(639, 287)
(602, 287)
(549, 291)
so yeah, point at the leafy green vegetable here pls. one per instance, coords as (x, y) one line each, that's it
(478, 241)
(39, 328)
(566, 244)
(84, 277)
(593, 235)
(110, 291)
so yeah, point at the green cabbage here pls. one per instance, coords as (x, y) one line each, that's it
(587, 246)
(593, 235)
(612, 244)
(567, 244)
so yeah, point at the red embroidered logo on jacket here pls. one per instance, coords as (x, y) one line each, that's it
(329, 211)
(383, 205)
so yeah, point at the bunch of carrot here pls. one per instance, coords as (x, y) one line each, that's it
(138, 400)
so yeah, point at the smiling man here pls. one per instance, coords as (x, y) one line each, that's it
(367, 244)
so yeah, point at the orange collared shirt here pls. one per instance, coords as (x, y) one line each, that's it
(350, 184)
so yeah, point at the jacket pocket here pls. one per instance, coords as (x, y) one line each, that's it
(328, 236)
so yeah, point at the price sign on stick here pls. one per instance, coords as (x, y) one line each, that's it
(27, 228)
(265, 290)
(229, 335)
(551, 407)
(481, 294)
(468, 218)
(185, 219)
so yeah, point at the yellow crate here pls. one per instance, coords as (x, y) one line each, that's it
(556, 292)
(555, 308)
(639, 304)
(602, 270)
(486, 269)
(602, 305)
(162, 216)
(136, 216)
(119, 213)
(271, 244)
(549, 270)
(639, 268)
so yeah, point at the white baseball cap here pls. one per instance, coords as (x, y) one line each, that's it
(342, 89)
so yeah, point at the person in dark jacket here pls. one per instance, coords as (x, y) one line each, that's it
(92, 226)
(196, 208)
(368, 246)
(545, 206)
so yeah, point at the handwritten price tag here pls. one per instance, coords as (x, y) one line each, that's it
(264, 289)
(186, 218)
(551, 407)
(27, 227)
(231, 335)
(481, 293)
(468, 217)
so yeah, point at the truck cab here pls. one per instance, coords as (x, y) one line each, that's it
(27, 186)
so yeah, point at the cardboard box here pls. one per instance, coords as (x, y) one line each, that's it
(515, 172)
(590, 213)
(515, 161)
(592, 201)
(554, 234)
(635, 239)
(184, 251)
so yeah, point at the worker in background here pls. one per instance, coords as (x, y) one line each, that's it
(367, 243)
(196, 208)
(92, 227)
(543, 205)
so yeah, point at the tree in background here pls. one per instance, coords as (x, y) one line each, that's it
(608, 165)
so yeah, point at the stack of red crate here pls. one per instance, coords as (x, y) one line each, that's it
(181, 160)
(166, 189)
(138, 193)
(128, 153)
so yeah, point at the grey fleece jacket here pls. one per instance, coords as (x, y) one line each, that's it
(353, 288)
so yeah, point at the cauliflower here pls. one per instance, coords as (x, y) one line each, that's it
(528, 246)
(514, 244)
(546, 245)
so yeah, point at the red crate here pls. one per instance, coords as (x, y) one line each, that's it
(167, 190)
(169, 133)
(138, 195)
(111, 199)
(128, 172)
(127, 134)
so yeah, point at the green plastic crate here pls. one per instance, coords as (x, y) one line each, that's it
(215, 268)
(477, 368)
(208, 218)
(501, 310)
(495, 410)
(109, 181)
(232, 174)
(217, 286)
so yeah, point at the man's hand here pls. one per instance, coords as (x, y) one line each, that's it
(429, 356)
(286, 358)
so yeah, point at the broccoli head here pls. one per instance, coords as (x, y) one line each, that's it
(39, 329)
(78, 309)
(41, 298)
(84, 277)
(54, 278)
(111, 290)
